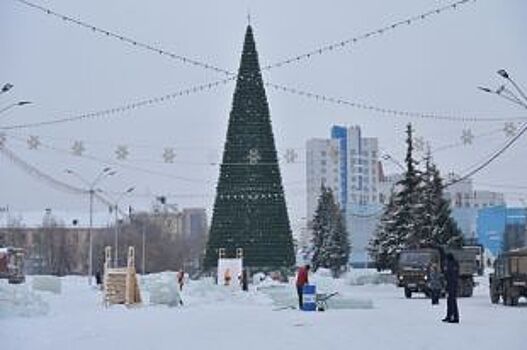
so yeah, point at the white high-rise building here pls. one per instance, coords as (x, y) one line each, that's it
(349, 164)
(322, 168)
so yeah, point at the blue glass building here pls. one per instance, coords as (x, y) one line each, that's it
(493, 221)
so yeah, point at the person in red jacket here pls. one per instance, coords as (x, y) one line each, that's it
(301, 280)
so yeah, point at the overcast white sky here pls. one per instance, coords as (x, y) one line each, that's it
(432, 66)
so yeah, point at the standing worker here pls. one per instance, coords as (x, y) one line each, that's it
(301, 281)
(452, 275)
(244, 280)
(181, 279)
(434, 283)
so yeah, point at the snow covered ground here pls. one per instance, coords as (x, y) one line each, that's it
(369, 313)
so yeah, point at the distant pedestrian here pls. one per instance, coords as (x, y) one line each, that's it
(181, 279)
(301, 281)
(244, 280)
(452, 275)
(227, 277)
(434, 283)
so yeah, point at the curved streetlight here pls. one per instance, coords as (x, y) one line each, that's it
(506, 93)
(115, 208)
(386, 156)
(90, 189)
(15, 104)
(6, 87)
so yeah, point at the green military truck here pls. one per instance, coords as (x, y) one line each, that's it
(468, 267)
(479, 253)
(413, 265)
(509, 280)
(412, 269)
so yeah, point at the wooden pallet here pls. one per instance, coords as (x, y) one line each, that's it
(120, 284)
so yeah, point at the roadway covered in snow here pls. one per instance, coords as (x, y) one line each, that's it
(368, 313)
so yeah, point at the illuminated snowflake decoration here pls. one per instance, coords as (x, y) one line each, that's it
(33, 142)
(2, 140)
(509, 129)
(168, 155)
(254, 156)
(122, 152)
(467, 137)
(419, 144)
(290, 155)
(78, 148)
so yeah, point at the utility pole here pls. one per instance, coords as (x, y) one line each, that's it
(90, 189)
(143, 255)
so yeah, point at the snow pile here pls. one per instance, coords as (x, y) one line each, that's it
(162, 289)
(368, 276)
(19, 300)
(51, 284)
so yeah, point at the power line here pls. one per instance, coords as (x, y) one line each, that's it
(123, 108)
(186, 60)
(40, 175)
(354, 40)
(498, 153)
(125, 39)
(383, 110)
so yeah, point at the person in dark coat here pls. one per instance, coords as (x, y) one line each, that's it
(301, 281)
(434, 283)
(452, 275)
(244, 280)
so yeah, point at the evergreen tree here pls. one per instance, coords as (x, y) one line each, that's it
(444, 230)
(331, 248)
(249, 209)
(400, 224)
(385, 243)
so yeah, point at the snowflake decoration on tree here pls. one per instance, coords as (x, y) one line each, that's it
(509, 129)
(168, 155)
(419, 144)
(290, 155)
(2, 140)
(467, 137)
(78, 148)
(33, 142)
(254, 156)
(122, 152)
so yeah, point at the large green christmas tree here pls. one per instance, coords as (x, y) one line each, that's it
(250, 210)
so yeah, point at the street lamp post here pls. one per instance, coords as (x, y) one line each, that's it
(6, 87)
(15, 104)
(91, 191)
(506, 93)
(116, 235)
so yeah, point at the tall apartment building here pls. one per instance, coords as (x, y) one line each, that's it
(322, 168)
(466, 202)
(349, 164)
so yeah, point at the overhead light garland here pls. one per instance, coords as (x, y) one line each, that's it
(123, 108)
(374, 33)
(125, 39)
(386, 111)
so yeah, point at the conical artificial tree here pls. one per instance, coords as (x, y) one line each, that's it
(250, 210)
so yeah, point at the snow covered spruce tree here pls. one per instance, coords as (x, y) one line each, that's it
(400, 223)
(330, 244)
(439, 228)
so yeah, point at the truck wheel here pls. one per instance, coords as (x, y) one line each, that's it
(407, 293)
(494, 298)
(507, 300)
